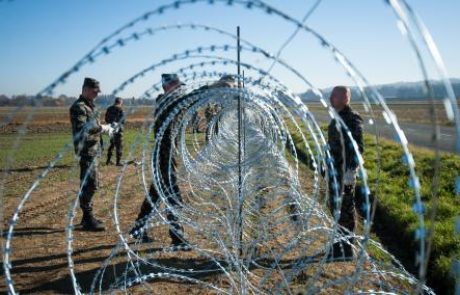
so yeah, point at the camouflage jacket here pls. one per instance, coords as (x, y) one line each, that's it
(166, 104)
(354, 123)
(210, 111)
(115, 114)
(86, 128)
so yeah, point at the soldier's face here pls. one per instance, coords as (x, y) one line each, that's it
(170, 86)
(338, 99)
(90, 93)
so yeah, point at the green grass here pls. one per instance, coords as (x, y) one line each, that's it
(396, 198)
(35, 151)
(32, 149)
(38, 149)
(388, 182)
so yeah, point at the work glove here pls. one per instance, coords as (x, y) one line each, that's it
(107, 128)
(350, 177)
(116, 127)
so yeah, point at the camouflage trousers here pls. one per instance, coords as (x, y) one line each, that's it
(88, 182)
(347, 209)
(215, 131)
(171, 189)
(115, 142)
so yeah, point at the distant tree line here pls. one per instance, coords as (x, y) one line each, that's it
(396, 91)
(63, 100)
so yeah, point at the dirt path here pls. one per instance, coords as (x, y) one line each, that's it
(39, 243)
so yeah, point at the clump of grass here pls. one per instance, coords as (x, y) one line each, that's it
(396, 198)
(388, 181)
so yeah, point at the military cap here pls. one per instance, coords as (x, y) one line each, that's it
(168, 78)
(227, 78)
(226, 81)
(92, 83)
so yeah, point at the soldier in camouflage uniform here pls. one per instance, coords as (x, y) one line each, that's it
(114, 114)
(209, 113)
(213, 109)
(345, 163)
(86, 132)
(172, 88)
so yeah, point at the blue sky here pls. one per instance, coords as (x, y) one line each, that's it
(43, 38)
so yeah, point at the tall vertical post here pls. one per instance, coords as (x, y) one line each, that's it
(243, 122)
(240, 151)
(240, 165)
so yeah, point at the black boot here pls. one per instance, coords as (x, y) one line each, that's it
(341, 251)
(143, 236)
(348, 249)
(109, 161)
(119, 160)
(181, 244)
(146, 239)
(177, 239)
(90, 223)
(138, 233)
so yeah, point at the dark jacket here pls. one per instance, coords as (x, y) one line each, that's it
(166, 104)
(115, 114)
(354, 123)
(86, 129)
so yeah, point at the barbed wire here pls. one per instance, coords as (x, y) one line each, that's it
(270, 179)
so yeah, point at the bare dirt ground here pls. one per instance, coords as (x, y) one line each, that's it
(39, 256)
